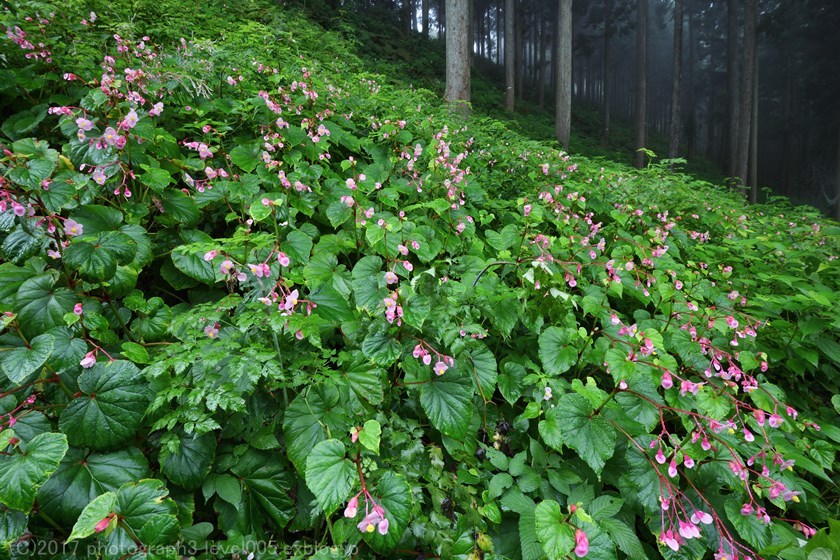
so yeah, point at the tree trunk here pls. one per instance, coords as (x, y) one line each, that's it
(605, 136)
(754, 136)
(747, 93)
(837, 184)
(732, 74)
(641, 81)
(510, 49)
(519, 57)
(457, 54)
(541, 58)
(690, 125)
(563, 105)
(426, 19)
(676, 89)
(407, 14)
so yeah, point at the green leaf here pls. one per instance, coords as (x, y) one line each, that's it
(111, 409)
(750, 527)
(332, 306)
(188, 466)
(266, 481)
(22, 473)
(81, 477)
(366, 276)
(307, 418)
(156, 179)
(592, 438)
(382, 349)
(194, 265)
(556, 354)
(329, 474)
(338, 213)
(510, 381)
(624, 537)
(480, 362)
(96, 256)
(179, 209)
(245, 157)
(620, 366)
(97, 510)
(556, 536)
(370, 434)
(393, 494)
(98, 219)
(19, 363)
(135, 352)
(447, 401)
(297, 246)
(21, 244)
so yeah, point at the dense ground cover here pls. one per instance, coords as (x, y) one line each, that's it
(255, 294)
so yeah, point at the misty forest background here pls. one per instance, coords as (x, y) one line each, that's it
(789, 92)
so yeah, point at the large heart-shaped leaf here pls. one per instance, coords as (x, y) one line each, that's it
(556, 354)
(393, 494)
(266, 481)
(557, 536)
(329, 474)
(188, 466)
(23, 472)
(81, 477)
(96, 256)
(304, 421)
(569, 423)
(111, 409)
(40, 306)
(19, 363)
(447, 401)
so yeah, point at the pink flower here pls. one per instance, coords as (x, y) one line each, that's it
(130, 120)
(746, 509)
(99, 176)
(156, 110)
(88, 360)
(701, 517)
(211, 331)
(372, 520)
(689, 530)
(291, 301)
(210, 255)
(669, 538)
(283, 259)
(527, 210)
(672, 468)
(84, 124)
(352, 507)
(226, 267)
(391, 278)
(660, 457)
(110, 136)
(204, 152)
(667, 381)
(402, 249)
(77, 309)
(581, 544)
(73, 228)
(775, 420)
(440, 368)
(383, 526)
(103, 523)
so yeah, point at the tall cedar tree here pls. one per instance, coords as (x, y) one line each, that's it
(510, 49)
(564, 72)
(641, 80)
(747, 82)
(458, 54)
(676, 89)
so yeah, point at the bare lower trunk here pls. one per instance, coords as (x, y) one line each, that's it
(676, 90)
(732, 74)
(457, 54)
(641, 81)
(747, 92)
(605, 135)
(563, 106)
(837, 184)
(754, 137)
(510, 50)
(541, 59)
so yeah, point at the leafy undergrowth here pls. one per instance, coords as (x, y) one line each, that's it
(258, 300)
